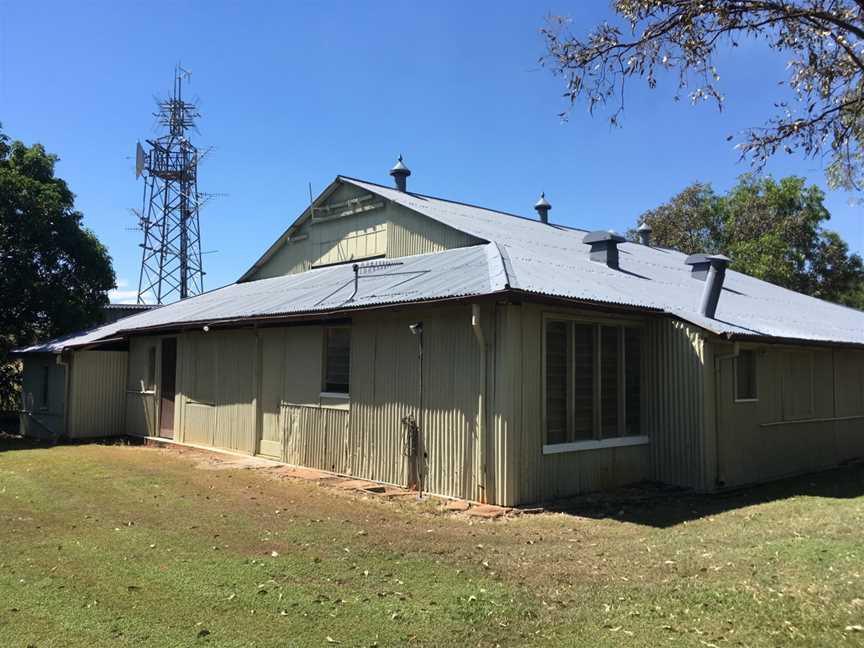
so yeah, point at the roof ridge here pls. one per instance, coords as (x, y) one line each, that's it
(454, 202)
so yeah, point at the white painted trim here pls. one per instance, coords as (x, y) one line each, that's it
(596, 444)
(338, 395)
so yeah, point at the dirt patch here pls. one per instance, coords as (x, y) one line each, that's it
(209, 460)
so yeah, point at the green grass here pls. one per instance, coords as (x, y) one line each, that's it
(124, 546)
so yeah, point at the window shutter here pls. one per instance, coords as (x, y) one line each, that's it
(583, 378)
(633, 380)
(557, 383)
(609, 352)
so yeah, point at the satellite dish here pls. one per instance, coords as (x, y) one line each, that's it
(139, 160)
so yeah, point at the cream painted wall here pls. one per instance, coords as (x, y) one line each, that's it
(97, 396)
(809, 414)
(374, 228)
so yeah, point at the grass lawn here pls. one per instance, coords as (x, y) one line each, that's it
(129, 546)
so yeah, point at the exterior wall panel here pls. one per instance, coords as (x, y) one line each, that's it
(385, 388)
(97, 396)
(377, 229)
(809, 414)
(409, 233)
(236, 402)
(673, 377)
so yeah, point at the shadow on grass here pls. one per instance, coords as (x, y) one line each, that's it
(660, 506)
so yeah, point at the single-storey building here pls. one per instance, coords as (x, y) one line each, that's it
(419, 341)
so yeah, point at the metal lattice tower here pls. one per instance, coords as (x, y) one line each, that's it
(171, 252)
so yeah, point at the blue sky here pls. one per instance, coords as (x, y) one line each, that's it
(298, 92)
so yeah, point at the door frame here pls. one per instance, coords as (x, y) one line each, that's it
(164, 372)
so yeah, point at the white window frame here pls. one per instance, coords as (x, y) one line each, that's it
(596, 443)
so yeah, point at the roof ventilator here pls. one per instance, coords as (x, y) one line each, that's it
(644, 232)
(604, 247)
(710, 268)
(400, 174)
(543, 206)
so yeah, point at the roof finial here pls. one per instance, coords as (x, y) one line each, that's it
(644, 232)
(543, 206)
(400, 174)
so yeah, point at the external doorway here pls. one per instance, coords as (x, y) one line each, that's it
(168, 388)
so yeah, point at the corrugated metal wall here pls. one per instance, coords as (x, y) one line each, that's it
(224, 376)
(674, 371)
(316, 437)
(809, 413)
(97, 396)
(409, 233)
(387, 230)
(217, 386)
(385, 384)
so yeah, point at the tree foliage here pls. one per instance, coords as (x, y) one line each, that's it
(822, 39)
(54, 273)
(770, 229)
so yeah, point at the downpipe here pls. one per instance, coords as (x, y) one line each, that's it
(477, 325)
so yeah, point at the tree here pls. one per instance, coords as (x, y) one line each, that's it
(54, 273)
(823, 40)
(770, 229)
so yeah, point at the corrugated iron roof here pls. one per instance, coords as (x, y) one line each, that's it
(461, 272)
(552, 260)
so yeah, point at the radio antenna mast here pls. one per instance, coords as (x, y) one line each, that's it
(171, 252)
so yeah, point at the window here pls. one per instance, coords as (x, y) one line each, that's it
(632, 381)
(557, 381)
(337, 359)
(592, 382)
(745, 376)
(150, 385)
(46, 384)
(609, 371)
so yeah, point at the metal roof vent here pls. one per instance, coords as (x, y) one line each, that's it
(644, 232)
(400, 174)
(604, 247)
(710, 268)
(543, 206)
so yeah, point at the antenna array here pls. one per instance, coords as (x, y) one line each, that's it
(171, 252)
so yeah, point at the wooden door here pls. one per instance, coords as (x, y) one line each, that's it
(168, 388)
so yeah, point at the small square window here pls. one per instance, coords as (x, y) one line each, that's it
(337, 359)
(745, 376)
